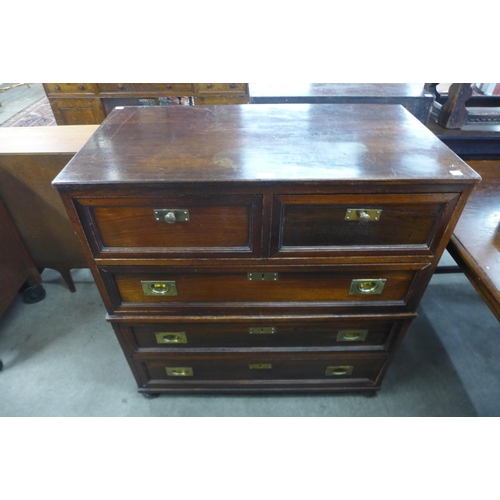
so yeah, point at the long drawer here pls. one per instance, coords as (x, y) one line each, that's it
(382, 285)
(189, 370)
(343, 334)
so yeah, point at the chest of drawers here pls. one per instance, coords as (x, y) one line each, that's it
(273, 248)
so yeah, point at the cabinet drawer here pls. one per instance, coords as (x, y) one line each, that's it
(70, 88)
(220, 87)
(198, 226)
(199, 287)
(360, 224)
(352, 333)
(144, 87)
(235, 368)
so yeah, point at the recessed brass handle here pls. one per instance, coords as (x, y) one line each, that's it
(352, 335)
(363, 214)
(57, 87)
(367, 286)
(159, 288)
(81, 87)
(171, 338)
(338, 371)
(209, 85)
(179, 371)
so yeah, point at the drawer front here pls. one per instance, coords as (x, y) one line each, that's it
(145, 87)
(198, 287)
(354, 333)
(70, 88)
(190, 368)
(200, 226)
(220, 87)
(360, 224)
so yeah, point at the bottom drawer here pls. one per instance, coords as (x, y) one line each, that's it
(223, 370)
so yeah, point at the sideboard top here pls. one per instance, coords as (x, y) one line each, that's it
(277, 142)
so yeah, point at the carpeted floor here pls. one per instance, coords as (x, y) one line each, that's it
(37, 114)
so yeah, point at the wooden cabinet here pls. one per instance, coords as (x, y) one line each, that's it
(90, 103)
(275, 248)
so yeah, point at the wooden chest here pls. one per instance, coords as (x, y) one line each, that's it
(266, 248)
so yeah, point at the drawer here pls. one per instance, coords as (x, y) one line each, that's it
(188, 226)
(353, 333)
(131, 288)
(360, 224)
(220, 87)
(187, 369)
(145, 87)
(70, 88)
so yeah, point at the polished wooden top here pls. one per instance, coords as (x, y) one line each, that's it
(289, 142)
(44, 140)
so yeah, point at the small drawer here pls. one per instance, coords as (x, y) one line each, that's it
(131, 88)
(70, 88)
(132, 288)
(353, 333)
(188, 226)
(315, 225)
(237, 368)
(208, 88)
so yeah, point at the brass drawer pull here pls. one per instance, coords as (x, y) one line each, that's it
(363, 214)
(81, 87)
(260, 366)
(262, 276)
(262, 329)
(171, 216)
(159, 288)
(57, 87)
(179, 371)
(352, 335)
(338, 371)
(171, 338)
(367, 286)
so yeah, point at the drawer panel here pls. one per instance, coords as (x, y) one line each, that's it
(350, 224)
(186, 287)
(190, 368)
(210, 225)
(144, 87)
(70, 88)
(354, 333)
(220, 87)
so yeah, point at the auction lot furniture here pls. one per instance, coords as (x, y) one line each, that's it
(90, 103)
(270, 248)
(30, 158)
(411, 96)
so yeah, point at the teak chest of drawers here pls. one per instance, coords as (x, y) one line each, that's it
(263, 248)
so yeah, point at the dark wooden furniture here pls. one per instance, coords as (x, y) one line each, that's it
(90, 103)
(475, 244)
(30, 158)
(411, 96)
(266, 248)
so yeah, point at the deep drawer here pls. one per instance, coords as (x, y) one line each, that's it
(190, 368)
(354, 333)
(360, 224)
(187, 226)
(136, 288)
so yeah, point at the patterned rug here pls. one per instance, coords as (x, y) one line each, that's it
(37, 114)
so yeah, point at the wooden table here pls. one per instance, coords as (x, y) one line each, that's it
(411, 96)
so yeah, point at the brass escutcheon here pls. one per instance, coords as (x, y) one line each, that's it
(159, 288)
(171, 338)
(367, 286)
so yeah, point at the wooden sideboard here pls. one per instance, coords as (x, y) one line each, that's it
(411, 96)
(30, 158)
(90, 103)
(270, 248)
